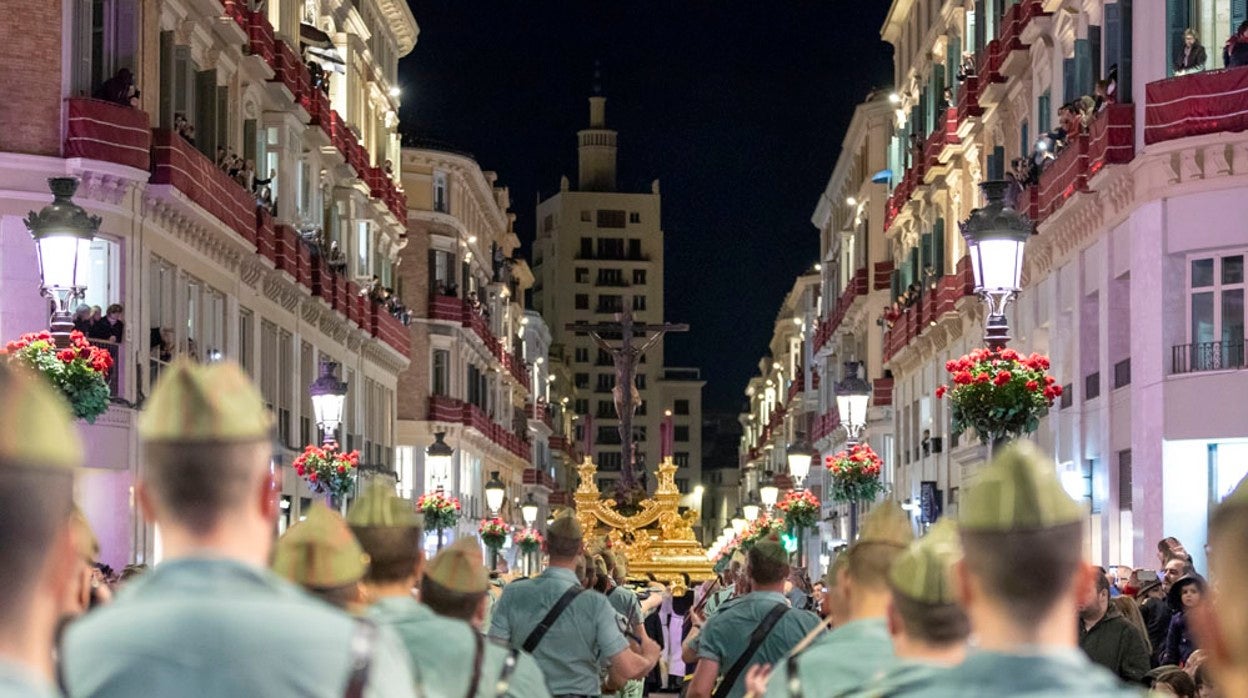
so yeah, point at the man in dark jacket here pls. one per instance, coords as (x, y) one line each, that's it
(1109, 639)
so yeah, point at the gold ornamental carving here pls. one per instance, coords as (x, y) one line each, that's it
(658, 539)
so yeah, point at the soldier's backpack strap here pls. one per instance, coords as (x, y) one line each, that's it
(794, 686)
(476, 665)
(535, 637)
(363, 641)
(756, 640)
(504, 676)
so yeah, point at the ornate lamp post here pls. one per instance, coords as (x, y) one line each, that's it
(62, 231)
(800, 454)
(739, 524)
(751, 508)
(769, 491)
(529, 510)
(996, 236)
(495, 492)
(853, 395)
(328, 397)
(438, 457)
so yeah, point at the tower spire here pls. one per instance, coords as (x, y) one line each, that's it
(597, 149)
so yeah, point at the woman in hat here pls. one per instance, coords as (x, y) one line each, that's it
(1184, 595)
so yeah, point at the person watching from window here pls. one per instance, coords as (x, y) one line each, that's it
(1191, 56)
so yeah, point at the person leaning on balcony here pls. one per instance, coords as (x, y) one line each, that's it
(1190, 57)
(82, 318)
(1235, 53)
(211, 619)
(40, 453)
(110, 328)
(119, 89)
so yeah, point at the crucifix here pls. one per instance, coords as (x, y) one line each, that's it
(626, 356)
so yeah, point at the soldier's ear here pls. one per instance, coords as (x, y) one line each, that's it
(1208, 630)
(964, 588)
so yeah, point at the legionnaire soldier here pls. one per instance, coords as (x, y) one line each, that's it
(928, 628)
(858, 650)
(321, 555)
(570, 634)
(39, 454)
(211, 620)
(448, 655)
(1021, 576)
(1222, 626)
(757, 628)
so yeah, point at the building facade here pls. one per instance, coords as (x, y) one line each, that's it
(478, 374)
(598, 251)
(222, 180)
(1132, 281)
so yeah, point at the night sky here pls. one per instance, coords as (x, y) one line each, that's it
(738, 108)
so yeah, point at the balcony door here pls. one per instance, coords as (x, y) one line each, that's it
(1216, 312)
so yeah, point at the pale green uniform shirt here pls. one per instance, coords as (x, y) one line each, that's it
(18, 681)
(624, 601)
(216, 627)
(1044, 674)
(584, 638)
(443, 650)
(905, 675)
(726, 635)
(839, 662)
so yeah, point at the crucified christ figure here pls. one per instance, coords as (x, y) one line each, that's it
(625, 356)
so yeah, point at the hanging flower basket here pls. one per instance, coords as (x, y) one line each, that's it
(79, 372)
(327, 470)
(529, 541)
(762, 527)
(440, 510)
(493, 533)
(856, 474)
(1000, 394)
(801, 509)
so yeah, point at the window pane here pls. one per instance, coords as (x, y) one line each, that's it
(1202, 273)
(1233, 317)
(1233, 269)
(1202, 318)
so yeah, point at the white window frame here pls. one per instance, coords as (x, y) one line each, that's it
(1217, 289)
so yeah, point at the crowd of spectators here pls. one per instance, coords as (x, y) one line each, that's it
(386, 296)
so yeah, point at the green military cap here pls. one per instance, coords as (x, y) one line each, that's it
(923, 572)
(320, 552)
(838, 564)
(608, 559)
(566, 526)
(1019, 491)
(770, 548)
(84, 537)
(600, 567)
(887, 524)
(459, 567)
(380, 507)
(215, 402)
(1239, 495)
(38, 428)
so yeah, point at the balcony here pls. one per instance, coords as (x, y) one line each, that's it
(824, 425)
(388, 328)
(968, 105)
(796, 387)
(452, 410)
(902, 193)
(541, 412)
(1194, 105)
(934, 150)
(882, 392)
(1110, 140)
(100, 130)
(1207, 356)
(178, 163)
(935, 303)
(1064, 176)
(540, 478)
(858, 286)
(453, 309)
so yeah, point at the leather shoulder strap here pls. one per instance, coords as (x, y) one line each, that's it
(756, 640)
(477, 657)
(504, 676)
(363, 640)
(535, 637)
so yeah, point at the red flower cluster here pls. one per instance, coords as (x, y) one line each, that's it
(999, 392)
(800, 507)
(860, 458)
(855, 474)
(93, 357)
(327, 469)
(79, 371)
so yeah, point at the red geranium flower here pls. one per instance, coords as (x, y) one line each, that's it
(940, 391)
(1003, 377)
(1033, 386)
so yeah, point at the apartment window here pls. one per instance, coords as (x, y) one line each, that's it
(634, 217)
(246, 337)
(609, 436)
(606, 382)
(105, 40)
(680, 407)
(582, 355)
(610, 248)
(681, 458)
(582, 301)
(586, 216)
(610, 219)
(548, 223)
(641, 409)
(363, 245)
(610, 304)
(1216, 312)
(609, 460)
(1124, 481)
(582, 275)
(681, 433)
(606, 410)
(582, 380)
(441, 372)
(285, 386)
(610, 277)
(682, 484)
(581, 406)
(639, 302)
(634, 248)
(587, 248)
(639, 277)
(441, 193)
(641, 381)
(604, 358)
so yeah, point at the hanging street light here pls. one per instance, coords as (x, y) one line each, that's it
(853, 395)
(438, 457)
(996, 237)
(739, 524)
(495, 491)
(751, 508)
(529, 510)
(769, 491)
(329, 395)
(63, 231)
(800, 454)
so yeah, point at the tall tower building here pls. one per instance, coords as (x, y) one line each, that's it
(599, 250)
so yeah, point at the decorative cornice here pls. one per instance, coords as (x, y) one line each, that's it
(209, 243)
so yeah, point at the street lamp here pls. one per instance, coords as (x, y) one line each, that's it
(769, 491)
(495, 491)
(739, 524)
(328, 397)
(751, 508)
(529, 510)
(800, 454)
(852, 395)
(63, 231)
(996, 236)
(438, 457)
